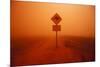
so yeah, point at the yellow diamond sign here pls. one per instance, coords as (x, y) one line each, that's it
(56, 18)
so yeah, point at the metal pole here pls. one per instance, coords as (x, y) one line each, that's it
(56, 40)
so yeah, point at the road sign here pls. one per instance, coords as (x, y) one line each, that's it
(56, 27)
(56, 18)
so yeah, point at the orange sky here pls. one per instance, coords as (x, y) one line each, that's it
(34, 19)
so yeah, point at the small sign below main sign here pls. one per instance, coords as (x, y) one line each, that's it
(56, 27)
(56, 18)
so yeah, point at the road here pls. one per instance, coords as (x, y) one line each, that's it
(45, 52)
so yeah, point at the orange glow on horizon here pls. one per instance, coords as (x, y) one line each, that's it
(34, 19)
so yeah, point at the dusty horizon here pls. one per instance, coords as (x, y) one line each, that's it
(31, 23)
(34, 19)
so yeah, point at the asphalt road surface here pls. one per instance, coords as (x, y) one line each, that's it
(44, 51)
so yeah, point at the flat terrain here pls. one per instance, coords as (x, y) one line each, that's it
(43, 50)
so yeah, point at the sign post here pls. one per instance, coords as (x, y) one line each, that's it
(56, 19)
